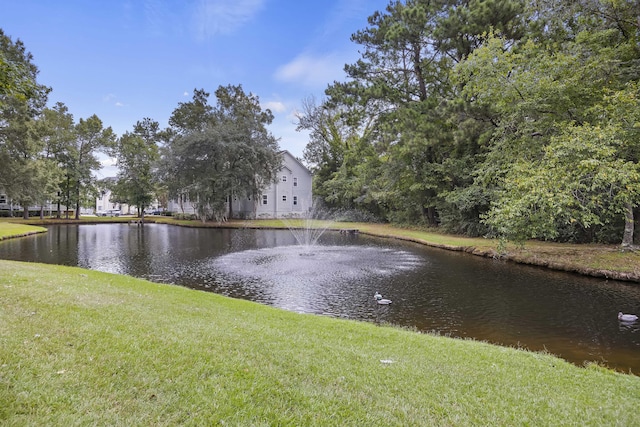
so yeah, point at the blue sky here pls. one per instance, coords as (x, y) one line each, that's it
(129, 59)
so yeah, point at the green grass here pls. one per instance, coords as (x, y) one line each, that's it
(10, 229)
(81, 347)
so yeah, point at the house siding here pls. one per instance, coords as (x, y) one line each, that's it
(49, 207)
(293, 180)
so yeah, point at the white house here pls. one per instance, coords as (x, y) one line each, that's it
(103, 202)
(104, 205)
(291, 195)
(49, 208)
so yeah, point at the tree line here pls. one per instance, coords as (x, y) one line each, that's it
(504, 118)
(514, 119)
(207, 154)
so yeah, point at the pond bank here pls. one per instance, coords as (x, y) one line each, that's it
(10, 230)
(602, 261)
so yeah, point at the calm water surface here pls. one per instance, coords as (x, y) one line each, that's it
(449, 293)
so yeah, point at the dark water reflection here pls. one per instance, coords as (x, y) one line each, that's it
(432, 290)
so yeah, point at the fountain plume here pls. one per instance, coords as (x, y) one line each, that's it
(308, 227)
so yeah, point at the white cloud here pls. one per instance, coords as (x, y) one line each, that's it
(112, 99)
(108, 161)
(223, 16)
(185, 93)
(313, 71)
(108, 168)
(275, 106)
(284, 129)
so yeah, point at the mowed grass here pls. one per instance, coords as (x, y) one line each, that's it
(81, 347)
(11, 229)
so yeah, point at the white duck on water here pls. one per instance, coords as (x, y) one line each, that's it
(627, 317)
(378, 297)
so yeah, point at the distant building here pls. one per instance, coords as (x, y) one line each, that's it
(291, 195)
(104, 204)
(5, 203)
(49, 208)
(103, 201)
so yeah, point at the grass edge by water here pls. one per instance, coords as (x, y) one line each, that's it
(595, 260)
(82, 346)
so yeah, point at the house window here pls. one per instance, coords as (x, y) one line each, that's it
(284, 178)
(295, 181)
(3, 198)
(284, 198)
(295, 200)
(264, 199)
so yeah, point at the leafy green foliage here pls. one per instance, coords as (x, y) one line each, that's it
(91, 137)
(216, 153)
(59, 139)
(25, 172)
(424, 145)
(506, 118)
(18, 73)
(137, 155)
(563, 155)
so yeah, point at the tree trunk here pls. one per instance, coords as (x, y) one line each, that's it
(78, 202)
(66, 206)
(430, 215)
(25, 212)
(636, 225)
(41, 212)
(627, 237)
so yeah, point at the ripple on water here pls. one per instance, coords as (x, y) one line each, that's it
(312, 280)
(297, 265)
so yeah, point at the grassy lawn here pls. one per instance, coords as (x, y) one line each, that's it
(81, 347)
(11, 229)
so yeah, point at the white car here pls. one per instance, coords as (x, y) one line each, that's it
(110, 212)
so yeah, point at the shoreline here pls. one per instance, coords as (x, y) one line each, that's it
(581, 259)
(518, 259)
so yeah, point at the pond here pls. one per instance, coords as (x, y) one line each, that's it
(432, 290)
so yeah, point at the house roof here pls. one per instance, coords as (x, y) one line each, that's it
(297, 161)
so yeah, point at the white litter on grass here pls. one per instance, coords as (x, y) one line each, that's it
(386, 361)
